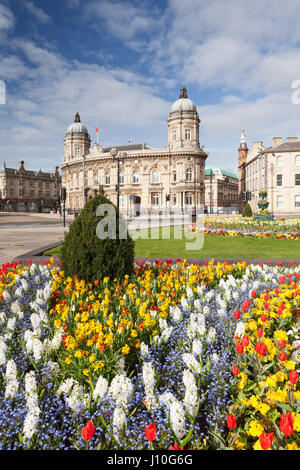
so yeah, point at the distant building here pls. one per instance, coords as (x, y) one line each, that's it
(149, 179)
(275, 169)
(221, 191)
(29, 191)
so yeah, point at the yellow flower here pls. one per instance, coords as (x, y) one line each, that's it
(297, 422)
(125, 349)
(255, 429)
(292, 446)
(86, 372)
(257, 446)
(68, 360)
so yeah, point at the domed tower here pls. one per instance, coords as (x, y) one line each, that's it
(77, 140)
(242, 159)
(183, 124)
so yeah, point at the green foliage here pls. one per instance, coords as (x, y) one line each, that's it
(90, 258)
(247, 211)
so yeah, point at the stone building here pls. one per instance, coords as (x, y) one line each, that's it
(275, 169)
(149, 178)
(23, 190)
(221, 191)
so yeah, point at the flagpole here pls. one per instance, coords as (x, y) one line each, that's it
(97, 134)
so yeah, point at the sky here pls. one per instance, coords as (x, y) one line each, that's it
(121, 64)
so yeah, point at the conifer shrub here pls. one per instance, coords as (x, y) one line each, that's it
(247, 211)
(92, 258)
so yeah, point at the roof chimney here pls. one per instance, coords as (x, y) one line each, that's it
(277, 141)
(292, 139)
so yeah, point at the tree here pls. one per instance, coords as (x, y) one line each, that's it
(247, 211)
(91, 258)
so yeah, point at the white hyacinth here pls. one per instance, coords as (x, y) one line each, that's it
(149, 383)
(30, 422)
(197, 347)
(6, 295)
(12, 383)
(56, 340)
(177, 418)
(184, 303)
(175, 313)
(119, 422)
(77, 400)
(240, 329)
(15, 307)
(191, 393)
(32, 417)
(167, 399)
(100, 388)
(144, 350)
(191, 362)
(211, 335)
(66, 386)
(3, 350)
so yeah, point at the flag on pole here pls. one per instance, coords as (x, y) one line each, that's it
(97, 134)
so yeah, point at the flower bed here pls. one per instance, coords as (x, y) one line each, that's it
(144, 362)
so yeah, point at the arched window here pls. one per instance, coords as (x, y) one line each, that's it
(136, 178)
(107, 179)
(155, 176)
(279, 161)
(297, 160)
(188, 175)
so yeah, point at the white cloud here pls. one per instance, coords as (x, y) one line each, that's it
(7, 20)
(123, 19)
(37, 12)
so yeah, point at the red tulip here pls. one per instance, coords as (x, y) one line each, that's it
(239, 348)
(286, 424)
(265, 440)
(260, 348)
(282, 356)
(150, 432)
(236, 314)
(245, 340)
(175, 447)
(260, 332)
(246, 305)
(293, 377)
(235, 370)
(88, 431)
(231, 421)
(264, 318)
(281, 343)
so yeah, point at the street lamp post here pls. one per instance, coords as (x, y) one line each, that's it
(119, 157)
(83, 180)
(211, 193)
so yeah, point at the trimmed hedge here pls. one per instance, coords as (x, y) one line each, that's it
(92, 258)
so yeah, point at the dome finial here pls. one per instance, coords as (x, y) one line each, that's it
(183, 92)
(243, 137)
(77, 117)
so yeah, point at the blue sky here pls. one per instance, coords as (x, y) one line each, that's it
(121, 64)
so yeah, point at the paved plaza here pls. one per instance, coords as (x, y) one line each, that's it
(22, 233)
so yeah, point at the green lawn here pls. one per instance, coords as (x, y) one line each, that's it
(213, 247)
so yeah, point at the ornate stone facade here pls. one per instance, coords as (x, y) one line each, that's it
(221, 191)
(23, 190)
(149, 179)
(275, 169)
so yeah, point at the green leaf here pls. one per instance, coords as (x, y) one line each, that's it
(187, 438)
